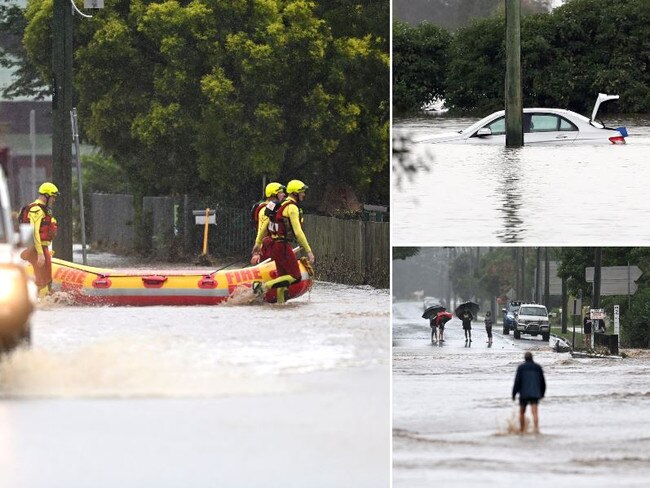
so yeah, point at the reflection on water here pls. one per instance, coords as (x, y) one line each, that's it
(511, 199)
(538, 194)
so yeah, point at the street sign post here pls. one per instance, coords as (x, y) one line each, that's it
(617, 323)
(616, 280)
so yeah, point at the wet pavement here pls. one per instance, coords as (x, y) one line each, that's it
(230, 395)
(454, 423)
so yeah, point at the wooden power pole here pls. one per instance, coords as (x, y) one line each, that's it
(62, 133)
(514, 106)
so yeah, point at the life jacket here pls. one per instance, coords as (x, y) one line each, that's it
(255, 212)
(280, 227)
(49, 227)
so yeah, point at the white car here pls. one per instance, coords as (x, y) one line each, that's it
(541, 125)
(532, 319)
(17, 291)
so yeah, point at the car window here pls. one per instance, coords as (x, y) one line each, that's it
(498, 127)
(544, 123)
(548, 123)
(565, 125)
(540, 312)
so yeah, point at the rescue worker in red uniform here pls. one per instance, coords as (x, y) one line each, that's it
(285, 228)
(263, 211)
(44, 225)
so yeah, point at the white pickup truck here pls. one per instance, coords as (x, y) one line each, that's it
(16, 288)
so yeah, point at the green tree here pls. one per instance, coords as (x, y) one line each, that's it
(210, 96)
(405, 252)
(420, 59)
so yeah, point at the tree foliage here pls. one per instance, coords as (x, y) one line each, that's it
(419, 64)
(405, 252)
(213, 95)
(568, 56)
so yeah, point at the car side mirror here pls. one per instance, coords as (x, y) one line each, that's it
(24, 234)
(503, 310)
(484, 131)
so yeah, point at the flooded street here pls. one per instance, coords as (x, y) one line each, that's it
(228, 395)
(454, 423)
(484, 194)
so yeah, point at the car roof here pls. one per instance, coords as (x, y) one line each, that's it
(532, 305)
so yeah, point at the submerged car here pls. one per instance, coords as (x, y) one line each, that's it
(541, 125)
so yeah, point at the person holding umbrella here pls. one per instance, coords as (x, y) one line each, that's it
(466, 313)
(431, 315)
(441, 319)
(466, 317)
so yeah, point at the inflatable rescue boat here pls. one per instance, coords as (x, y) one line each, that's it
(96, 286)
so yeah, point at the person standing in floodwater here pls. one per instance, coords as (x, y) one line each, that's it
(531, 386)
(587, 325)
(467, 317)
(488, 327)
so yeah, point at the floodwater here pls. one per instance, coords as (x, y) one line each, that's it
(454, 423)
(546, 194)
(230, 395)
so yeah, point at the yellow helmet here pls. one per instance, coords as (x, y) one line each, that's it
(296, 186)
(272, 189)
(48, 189)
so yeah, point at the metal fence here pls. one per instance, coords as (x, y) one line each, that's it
(347, 251)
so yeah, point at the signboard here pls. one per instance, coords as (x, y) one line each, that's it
(511, 294)
(597, 313)
(554, 281)
(614, 279)
(199, 217)
(617, 319)
(93, 3)
(575, 306)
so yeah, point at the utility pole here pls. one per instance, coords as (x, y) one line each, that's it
(61, 133)
(537, 276)
(547, 281)
(565, 308)
(513, 92)
(598, 258)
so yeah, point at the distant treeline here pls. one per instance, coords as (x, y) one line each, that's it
(457, 13)
(568, 57)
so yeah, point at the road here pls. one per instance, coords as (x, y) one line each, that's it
(230, 395)
(454, 423)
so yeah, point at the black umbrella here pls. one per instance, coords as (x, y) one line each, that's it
(470, 307)
(433, 310)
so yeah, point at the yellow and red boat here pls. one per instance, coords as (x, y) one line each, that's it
(96, 286)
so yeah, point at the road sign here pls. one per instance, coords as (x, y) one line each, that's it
(614, 279)
(575, 306)
(597, 313)
(554, 282)
(511, 293)
(617, 319)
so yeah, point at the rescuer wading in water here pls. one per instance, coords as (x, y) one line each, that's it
(285, 227)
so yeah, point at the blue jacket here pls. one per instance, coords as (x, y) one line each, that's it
(529, 381)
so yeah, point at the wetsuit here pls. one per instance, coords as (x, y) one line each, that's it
(44, 230)
(286, 228)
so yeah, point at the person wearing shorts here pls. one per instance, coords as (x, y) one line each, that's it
(531, 387)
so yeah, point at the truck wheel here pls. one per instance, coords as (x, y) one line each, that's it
(517, 334)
